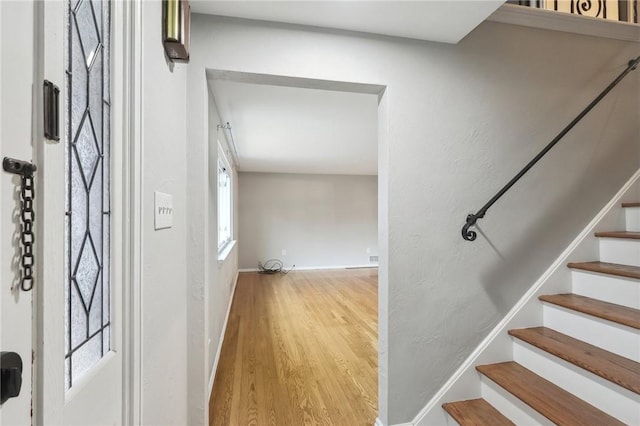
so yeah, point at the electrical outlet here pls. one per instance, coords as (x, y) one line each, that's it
(284, 252)
(368, 250)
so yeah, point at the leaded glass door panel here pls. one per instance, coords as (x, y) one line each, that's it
(87, 215)
(80, 302)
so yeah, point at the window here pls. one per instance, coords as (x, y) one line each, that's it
(224, 201)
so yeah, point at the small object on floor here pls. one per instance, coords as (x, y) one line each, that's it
(273, 266)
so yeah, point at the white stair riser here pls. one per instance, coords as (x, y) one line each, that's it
(439, 417)
(609, 397)
(616, 338)
(632, 219)
(620, 250)
(449, 421)
(509, 405)
(618, 290)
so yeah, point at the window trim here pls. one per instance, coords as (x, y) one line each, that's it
(224, 247)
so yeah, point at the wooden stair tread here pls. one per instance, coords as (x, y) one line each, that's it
(634, 204)
(619, 234)
(605, 310)
(608, 268)
(608, 365)
(554, 403)
(476, 412)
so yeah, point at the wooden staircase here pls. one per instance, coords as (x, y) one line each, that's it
(583, 366)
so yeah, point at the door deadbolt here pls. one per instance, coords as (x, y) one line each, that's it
(10, 375)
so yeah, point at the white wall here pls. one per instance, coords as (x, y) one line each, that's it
(461, 120)
(209, 282)
(164, 291)
(223, 274)
(320, 220)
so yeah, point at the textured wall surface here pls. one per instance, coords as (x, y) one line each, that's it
(164, 316)
(209, 282)
(320, 220)
(460, 121)
(222, 274)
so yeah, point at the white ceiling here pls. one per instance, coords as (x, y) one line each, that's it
(435, 20)
(282, 129)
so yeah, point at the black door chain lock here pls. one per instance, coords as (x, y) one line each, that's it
(27, 215)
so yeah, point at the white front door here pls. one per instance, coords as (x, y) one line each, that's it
(16, 135)
(79, 349)
(69, 330)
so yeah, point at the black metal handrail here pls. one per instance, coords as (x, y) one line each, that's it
(470, 235)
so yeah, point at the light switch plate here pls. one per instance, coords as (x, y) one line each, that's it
(163, 208)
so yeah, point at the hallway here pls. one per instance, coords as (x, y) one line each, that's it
(300, 349)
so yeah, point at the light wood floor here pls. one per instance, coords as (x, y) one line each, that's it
(300, 349)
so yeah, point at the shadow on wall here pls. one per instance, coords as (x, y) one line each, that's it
(502, 281)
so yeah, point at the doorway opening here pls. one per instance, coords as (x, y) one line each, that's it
(308, 196)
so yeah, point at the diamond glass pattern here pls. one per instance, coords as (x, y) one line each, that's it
(87, 224)
(86, 273)
(78, 207)
(79, 72)
(95, 97)
(88, 29)
(87, 149)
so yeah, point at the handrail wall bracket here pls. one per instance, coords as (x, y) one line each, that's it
(467, 234)
(472, 218)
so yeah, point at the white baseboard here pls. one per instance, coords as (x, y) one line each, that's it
(379, 423)
(501, 328)
(312, 268)
(224, 330)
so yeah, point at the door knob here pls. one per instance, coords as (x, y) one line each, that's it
(10, 375)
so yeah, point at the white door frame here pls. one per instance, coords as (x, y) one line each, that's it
(132, 133)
